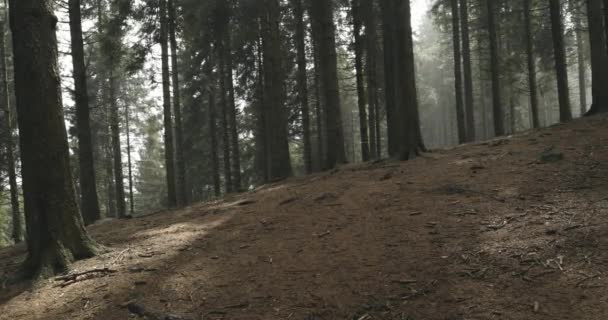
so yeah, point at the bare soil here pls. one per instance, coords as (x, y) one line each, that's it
(514, 228)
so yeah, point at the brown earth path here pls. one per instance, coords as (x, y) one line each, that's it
(500, 230)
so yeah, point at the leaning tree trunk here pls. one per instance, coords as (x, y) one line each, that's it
(363, 121)
(460, 116)
(561, 67)
(599, 58)
(371, 72)
(467, 71)
(531, 61)
(498, 113)
(302, 79)
(55, 231)
(89, 200)
(322, 16)
(167, 113)
(180, 164)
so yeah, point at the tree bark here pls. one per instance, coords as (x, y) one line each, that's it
(129, 163)
(228, 183)
(531, 61)
(235, 150)
(359, 50)
(561, 67)
(215, 162)
(371, 72)
(599, 58)
(302, 80)
(56, 232)
(581, 61)
(180, 164)
(467, 71)
(167, 113)
(390, 75)
(460, 116)
(411, 143)
(322, 16)
(17, 220)
(498, 113)
(88, 187)
(319, 103)
(116, 149)
(275, 114)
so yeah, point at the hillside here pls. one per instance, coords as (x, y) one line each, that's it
(513, 228)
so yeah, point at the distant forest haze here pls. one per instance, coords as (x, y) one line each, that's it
(113, 109)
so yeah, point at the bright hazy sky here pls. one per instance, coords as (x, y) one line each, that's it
(419, 10)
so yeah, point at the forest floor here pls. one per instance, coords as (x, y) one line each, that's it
(514, 228)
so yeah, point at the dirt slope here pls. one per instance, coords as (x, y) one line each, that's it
(510, 229)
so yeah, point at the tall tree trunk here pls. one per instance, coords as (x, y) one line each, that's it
(180, 164)
(228, 183)
(580, 49)
(17, 223)
(302, 79)
(235, 150)
(371, 72)
(110, 186)
(468, 71)
(390, 75)
(117, 149)
(410, 135)
(275, 113)
(359, 50)
(55, 230)
(319, 103)
(261, 141)
(215, 162)
(167, 113)
(460, 116)
(129, 163)
(561, 67)
(89, 200)
(599, 58)
(322, 16)
(498, 113)
(531, 65)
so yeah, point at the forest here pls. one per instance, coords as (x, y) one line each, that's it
(303, 159)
